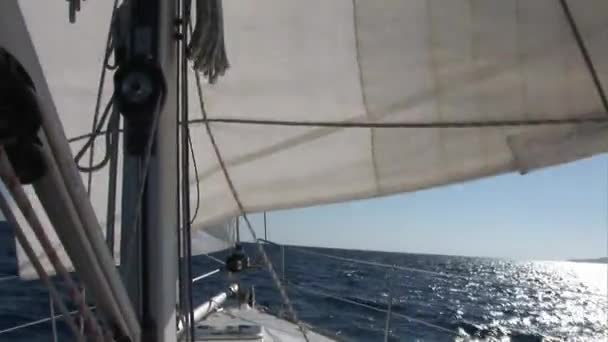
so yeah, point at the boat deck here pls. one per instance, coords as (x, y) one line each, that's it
(247, 324)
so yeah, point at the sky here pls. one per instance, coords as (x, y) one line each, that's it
(552, 214)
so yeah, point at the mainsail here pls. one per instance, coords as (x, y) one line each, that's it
(311, 64)
(395, 62)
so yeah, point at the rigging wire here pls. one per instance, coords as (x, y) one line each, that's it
(585, 53)
(33, 257)
(236, 197)
(110, 151)
(181, 308)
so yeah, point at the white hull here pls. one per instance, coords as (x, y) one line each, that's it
(272, 328)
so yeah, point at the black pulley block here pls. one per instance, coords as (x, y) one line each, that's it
(237, 261)
(139, 88)
(139, 94)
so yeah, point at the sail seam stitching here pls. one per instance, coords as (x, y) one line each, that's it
(368, 113)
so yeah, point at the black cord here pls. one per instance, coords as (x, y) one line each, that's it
(90, 144)
(198, 187)
(108, 52)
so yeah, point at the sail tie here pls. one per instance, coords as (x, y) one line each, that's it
(207, 48)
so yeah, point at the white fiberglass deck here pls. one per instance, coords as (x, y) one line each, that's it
(272, 328)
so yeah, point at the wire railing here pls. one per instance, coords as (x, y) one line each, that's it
(38, 321)
(390, 274)
(389, 313)
(391, 270)
(52, 318)
(448, 275)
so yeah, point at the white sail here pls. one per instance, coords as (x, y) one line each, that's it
(214, 238)
(395, 61)
(412, 61)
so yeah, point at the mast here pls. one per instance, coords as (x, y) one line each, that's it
(145, 84)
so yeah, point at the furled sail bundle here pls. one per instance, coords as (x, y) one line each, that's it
(432, 92)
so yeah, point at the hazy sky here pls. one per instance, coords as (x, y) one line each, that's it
(556, 213)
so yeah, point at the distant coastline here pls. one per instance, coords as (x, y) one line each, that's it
(603, 260)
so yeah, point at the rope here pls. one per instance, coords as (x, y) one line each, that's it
(12, 183)
(29, 251)
(89, 135)
(236, 197)
(429, 124)
(89, 145)
(358, 124)
(207, 49)
(367, 306)
(585, 53)
(185, 163)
